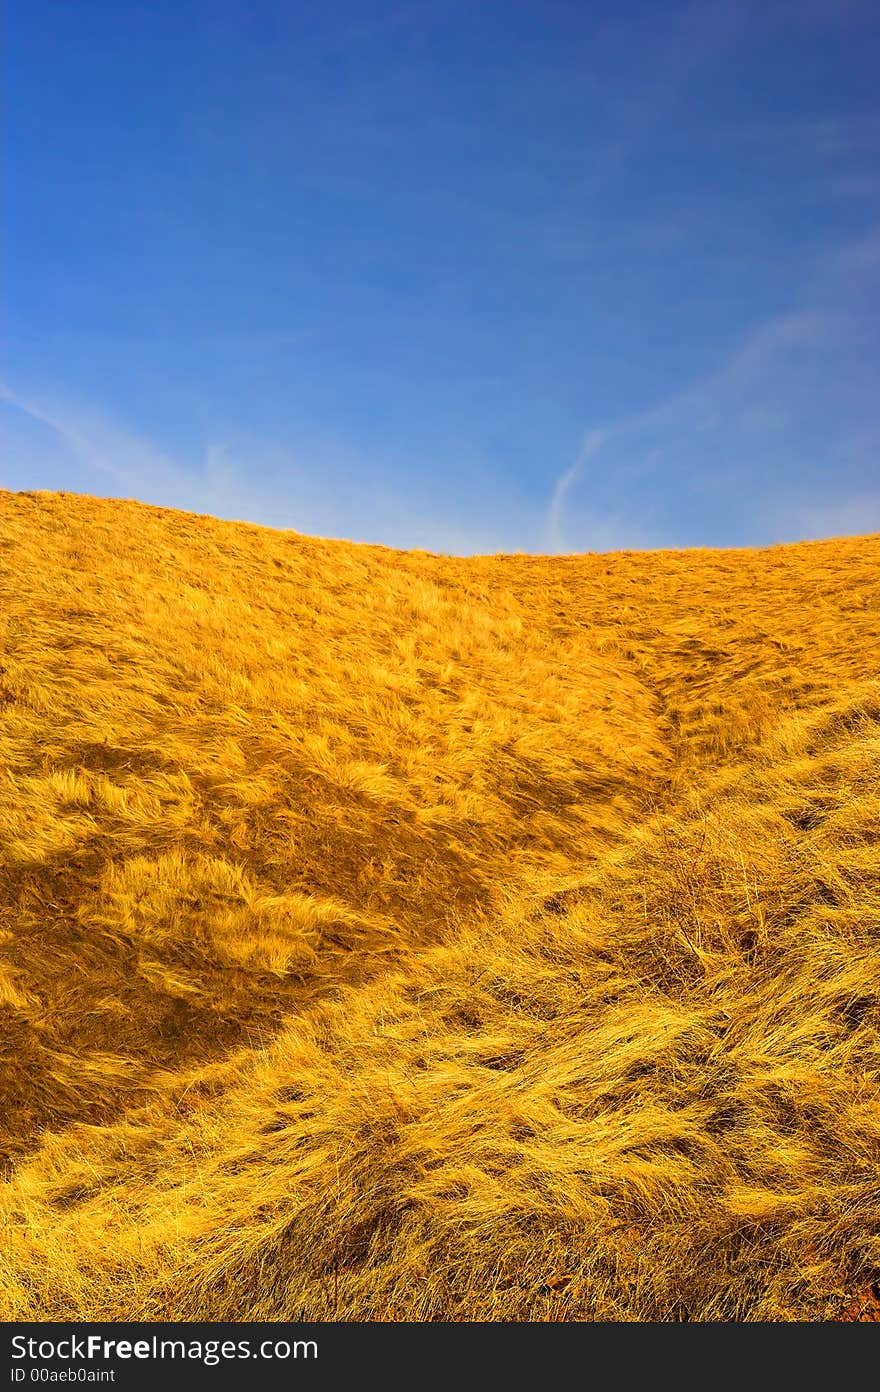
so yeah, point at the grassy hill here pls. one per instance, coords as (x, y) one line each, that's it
(394, 936)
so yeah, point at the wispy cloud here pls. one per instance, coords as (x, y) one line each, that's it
(858, 515)
(268, 486)
(101, 446)
(698, 408)
(592, 444)
(797, 382)
(322, 487)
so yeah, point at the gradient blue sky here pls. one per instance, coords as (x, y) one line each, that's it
(536, 275)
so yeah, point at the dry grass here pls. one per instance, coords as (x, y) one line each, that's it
(389, 936)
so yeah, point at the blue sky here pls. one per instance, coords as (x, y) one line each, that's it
(534, 275)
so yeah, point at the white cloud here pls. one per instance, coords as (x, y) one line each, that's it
(591, 445)
(791, 385)
(851, 516)
(242, 477)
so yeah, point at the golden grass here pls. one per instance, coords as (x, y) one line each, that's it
(390, 936)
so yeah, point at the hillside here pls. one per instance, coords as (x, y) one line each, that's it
(394, 936)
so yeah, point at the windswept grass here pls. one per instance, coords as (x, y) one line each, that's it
(389, 936)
